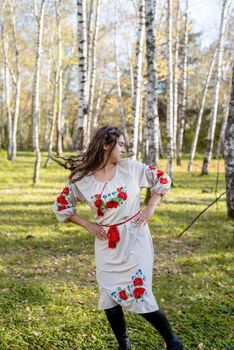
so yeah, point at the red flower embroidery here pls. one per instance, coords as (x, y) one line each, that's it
(62, 200)
(153, 167)
(100, 212)
(115, 204)
(123, 295)
(98, 203)
(62, 207)
(122, 195)
(138, 281)
(160, 173)
(119, 189)
(97, 195)
(65, 190)
(163, 181)
(138, 292)
(112, 204)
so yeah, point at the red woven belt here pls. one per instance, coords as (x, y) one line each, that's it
(113, 232)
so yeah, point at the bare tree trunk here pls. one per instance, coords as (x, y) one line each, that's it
(81, 124)
(98, 104)
(137, 81)
(145, 131)
(90, 35)
(152, 103)
(18, 84)
(170, 139)
(2, 112)
(220, 142)
(7, 94)
(36, 88)
(180, 133)
(211, 131)
(161, 151)
(47, 109)
(60, 79)
(53, 124)
(176, 72)
(229, 154)
(118, 87)
(93, 68)
(199, 118)
(2, 129)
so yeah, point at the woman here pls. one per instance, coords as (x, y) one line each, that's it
(111, 185)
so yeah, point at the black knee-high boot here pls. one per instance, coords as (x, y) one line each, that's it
(116, 319)
(159, 321)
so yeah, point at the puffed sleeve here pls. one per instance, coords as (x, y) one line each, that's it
(64, 206)
(152, 177)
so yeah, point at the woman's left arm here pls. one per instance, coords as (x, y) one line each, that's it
(146, 214)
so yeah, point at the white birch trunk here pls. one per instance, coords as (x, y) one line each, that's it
(180, 132)
(229, 155)
(2, 128)
(98, 105)
(47, 108)
(152, 104)
(93, 69)
(2, 111)
(118, 87)
(90, 34)
(60, 79)
(54, 118)
(176, 72)
(220, 142)
(17, 87)
(7, 94)
(145, 131)
(36, 89)
(137, 81)
(170, 139)
(212, 126)
(199, 118)
(81, 137)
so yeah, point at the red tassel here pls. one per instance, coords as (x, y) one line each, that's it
(113, 236)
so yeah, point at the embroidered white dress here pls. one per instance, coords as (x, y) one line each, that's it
(123, 269)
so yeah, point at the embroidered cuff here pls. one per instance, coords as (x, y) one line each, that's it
(69, 217)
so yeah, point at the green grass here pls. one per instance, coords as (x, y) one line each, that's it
(49, 295)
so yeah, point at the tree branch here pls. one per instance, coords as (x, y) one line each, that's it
(203, 211)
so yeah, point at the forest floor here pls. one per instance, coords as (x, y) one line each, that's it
(48, 291)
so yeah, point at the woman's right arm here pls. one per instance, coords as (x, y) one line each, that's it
(91, 227)
(64, 209)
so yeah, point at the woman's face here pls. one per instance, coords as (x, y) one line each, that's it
(118, 151)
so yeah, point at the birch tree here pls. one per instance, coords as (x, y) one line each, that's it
(170, 139)
(92, 69)
(199, 118)
(2, 110)
(118, 86)
(17, 82)
(229, 154)
(81, 123)
(60, 78)
(223, 128)
(152, 105)
(212, 126)
(180, 132)
(175, 74)
(137, 81)
(39, 15)
(54, 118)
(98, 105)
(5, 46)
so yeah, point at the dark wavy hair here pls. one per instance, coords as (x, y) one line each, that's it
(92, 159)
